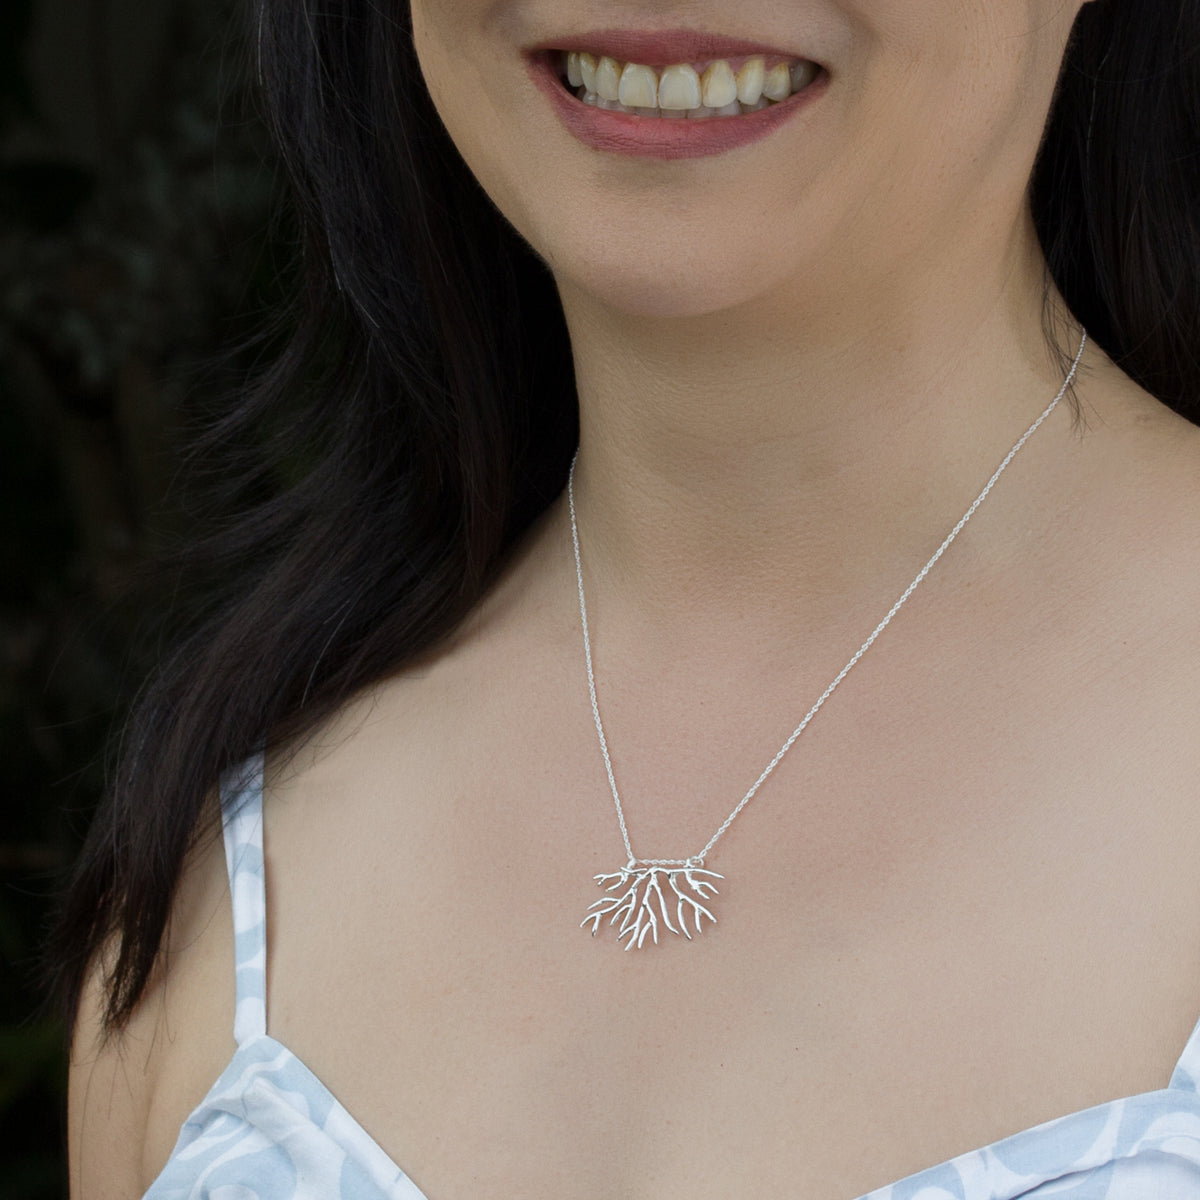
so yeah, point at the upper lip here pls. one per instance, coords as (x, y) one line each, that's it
(659, 47)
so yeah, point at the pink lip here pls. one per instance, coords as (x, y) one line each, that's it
(650, 137)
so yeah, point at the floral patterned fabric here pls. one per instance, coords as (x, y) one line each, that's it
(269, 1129)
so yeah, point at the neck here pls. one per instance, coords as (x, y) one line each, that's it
(808, 447)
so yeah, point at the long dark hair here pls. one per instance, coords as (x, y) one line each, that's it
(425, 402)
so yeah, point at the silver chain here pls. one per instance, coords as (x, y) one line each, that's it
(698, 859)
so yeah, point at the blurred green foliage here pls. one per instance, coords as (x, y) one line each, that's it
(133, 251)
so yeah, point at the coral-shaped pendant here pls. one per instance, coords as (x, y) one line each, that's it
(643, 899)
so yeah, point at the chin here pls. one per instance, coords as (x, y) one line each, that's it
(649, 298)
(638, 282)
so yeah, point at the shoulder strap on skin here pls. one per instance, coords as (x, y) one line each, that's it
(241, 812)
(1186, 1075)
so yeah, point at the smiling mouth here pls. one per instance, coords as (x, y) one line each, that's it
(713, 88)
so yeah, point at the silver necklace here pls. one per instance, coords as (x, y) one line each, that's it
(646, 892)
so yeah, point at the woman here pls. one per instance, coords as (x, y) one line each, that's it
(805, 321)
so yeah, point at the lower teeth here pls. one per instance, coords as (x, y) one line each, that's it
(735, 109)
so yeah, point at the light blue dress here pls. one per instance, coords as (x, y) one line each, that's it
(269, 1129)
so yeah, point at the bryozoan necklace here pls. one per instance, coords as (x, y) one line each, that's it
(647, 895)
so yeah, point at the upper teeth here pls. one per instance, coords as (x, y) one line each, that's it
(682, 88)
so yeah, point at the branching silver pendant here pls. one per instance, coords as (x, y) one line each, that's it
(645, 897)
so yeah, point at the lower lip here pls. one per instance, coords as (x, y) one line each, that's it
(663, 137)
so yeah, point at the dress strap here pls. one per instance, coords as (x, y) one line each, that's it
(1186, 1075)
(241, 813)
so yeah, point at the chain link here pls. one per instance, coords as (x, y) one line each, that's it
(697, 860)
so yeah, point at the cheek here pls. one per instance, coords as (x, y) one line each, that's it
(477, 83)
(955, 85)
(947, 111)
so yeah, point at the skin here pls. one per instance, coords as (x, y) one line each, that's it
(797, 363)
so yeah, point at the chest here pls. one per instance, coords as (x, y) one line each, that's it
(958, 910)
(877, 995)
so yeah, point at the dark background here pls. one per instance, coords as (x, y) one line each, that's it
(135, 195)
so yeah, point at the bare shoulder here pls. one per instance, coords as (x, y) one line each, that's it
(108, 1099)
(1144, 484)
(1134, 548)
(130, 1090)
